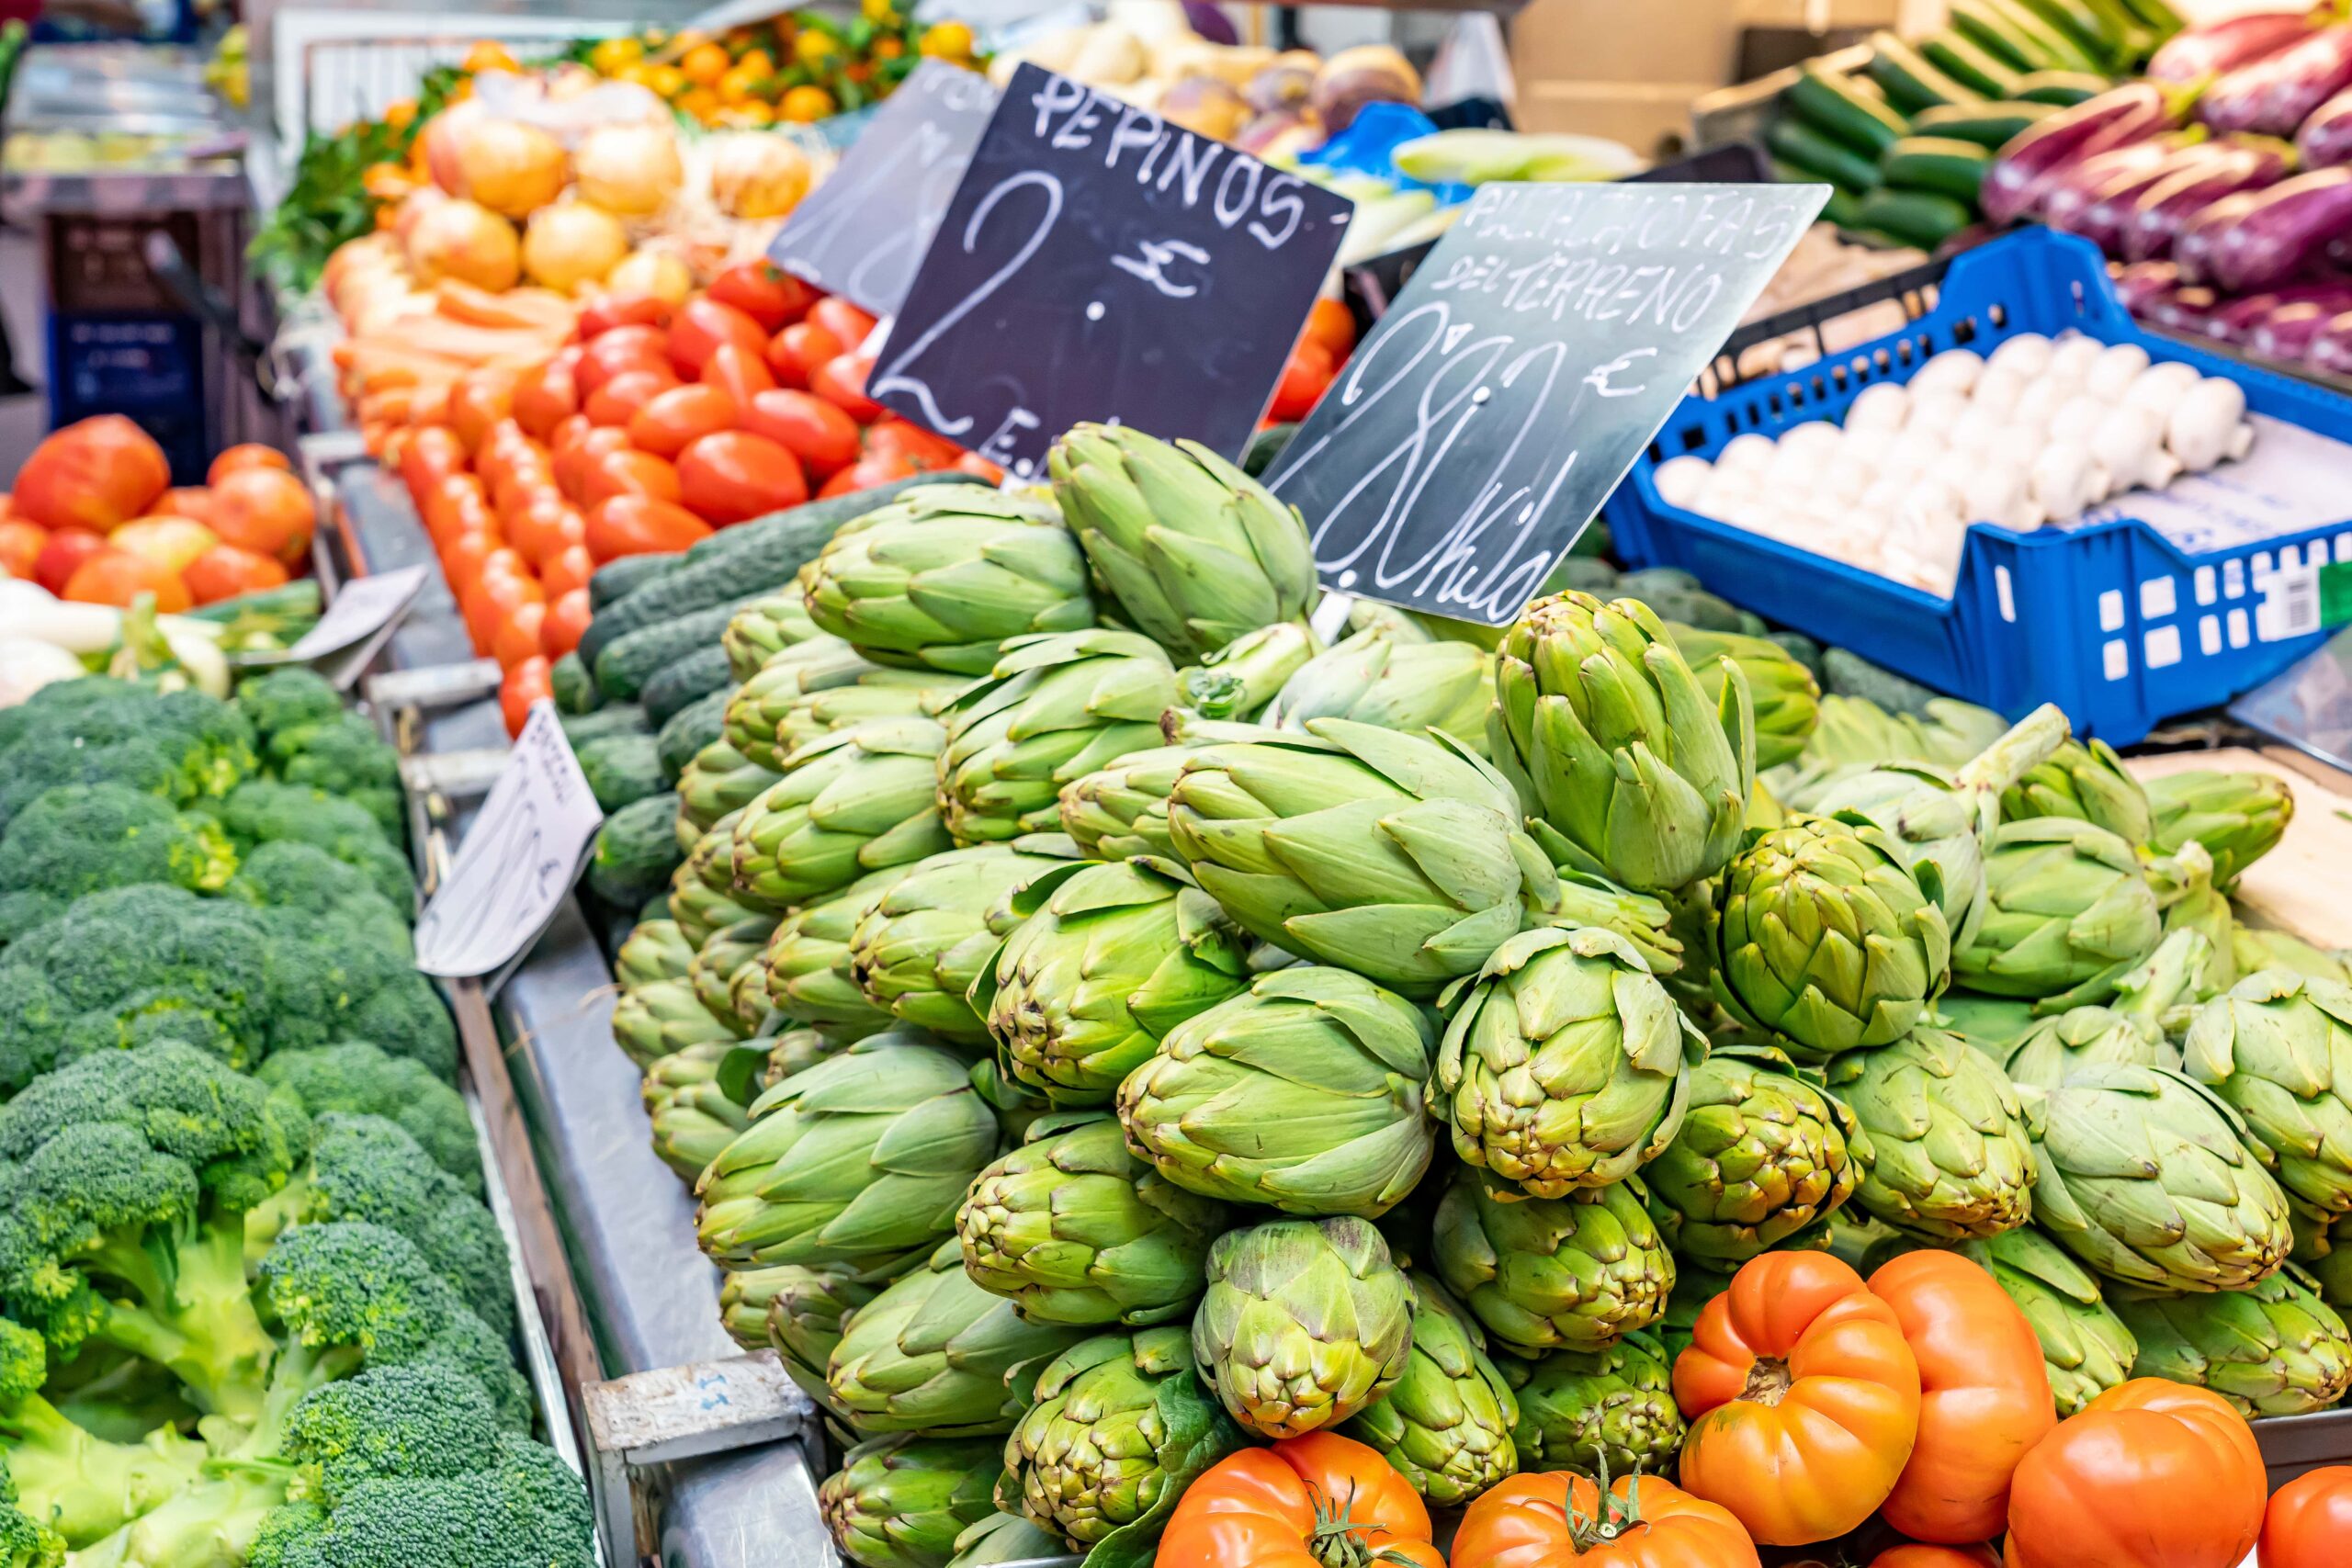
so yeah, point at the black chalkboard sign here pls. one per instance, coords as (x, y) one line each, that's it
(862, 233)
(1529, 359)
(1100, 263)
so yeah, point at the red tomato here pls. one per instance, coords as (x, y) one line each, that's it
(641, 525)
(1333, 326)
(117, 577)
(571, 467)
(224, 571)
(463, 557)
(742, 375)
(844, 319)
(617, 401)
(62, 555)
(702, 325)
(265, 511)
(606, 311)
(567, 617)
(823, 437)
(195, 502)
(496, 595)
(842, 382)
(736, 476)
(569, 568)
(629, 472)
(431, 452)
(1306, 374)
(547, 394)
(457, 507)
(764, 291)
(568, 435)
(624, 348)
(795, 353)
(974, 464)
(246, 454)
(892, 434)
(524, 684)
(518, 637)
(20, 545)
(866, 472)
(679, 416)
(545, 526)
(478, 399)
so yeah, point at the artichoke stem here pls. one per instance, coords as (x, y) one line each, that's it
(1767, 1382)
(2025, 747)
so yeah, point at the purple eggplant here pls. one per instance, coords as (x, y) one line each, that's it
(2140, 283)
(2283, 232)
(2325, 139)
(2289, 332)
(2330, 349)
(2240, 319)
(2133, 112)
(2185, 310)
(2279, 92)
(2196, 53)
(2198, 247)
(2094, 197)
(2164, 210)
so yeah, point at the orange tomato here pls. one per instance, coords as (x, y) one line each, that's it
(571, 465)
(2150, 1475)
(1306, 375)
(1984, 1396)
(492, 600)
(623, 348)
(1331, 325)
(629, 472)
(96, 474)
(547, 394)
(524, 684)
(63, 553)
(641, 525)
(742, 375)
(703, 324)
(193, 504)
(617, 401)
(224, 571)
(795, 353)
(117, 577)
(246, 454)
(764, 291)
(567, 568)
(455, 507)
(566, 618)
(735, 476)
(478, 399)
(823, 437)
(893, 437)
(431, 454)
(518, 637)
(679, 416)
(848, 324)
(1561, 1518)
(979, 467)
(20, 545)
(1272, 1508)
(265, 511)
(1912, 1554)
(544, 527)
(608, 312)
(462, 559)
(171, 542)
(842, 382)
(1803, 1398)
(866, 472)
(2308, 1522)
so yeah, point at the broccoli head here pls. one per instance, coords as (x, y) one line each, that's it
(314, 884)
(80, 839)
(286, 698)
(61, 1478)
(264, 812)
(182, 745)
(357, 1076)
(344, 756)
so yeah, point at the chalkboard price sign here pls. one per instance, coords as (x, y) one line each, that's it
(1497, 403)
(1100, 263)
(862, 233)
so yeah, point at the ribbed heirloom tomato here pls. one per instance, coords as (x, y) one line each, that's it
(97, 474)
(1915, 1555)
(1803, 1398)
(2308, 1522)
(246, 455)
(2150, 1475)
(1288, 1505)
(1559, 1520)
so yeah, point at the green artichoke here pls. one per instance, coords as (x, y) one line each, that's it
(1388, 855)
(2326, 1248)
(747, 994)
(702, 896)
(1855, 735)
(900, 1501)
(745, 1297)
(1786, 696)
(726, 953)
(1106, 960)
(765, 628)
(693, 1117)
(2084, 780)
(1762, 1154)
(807, 1309)
(943, 575)
(1631, 770)
(1446, 1424)
(787, 721)
(1305, 1323)
(1992, 1024)
(2274, 1349)
(1075, 1229)
(797, 1050)
(1120, 810)
(1547, 1273)
(1004, 1537)
(753, 714)
(2145, 1176)
(919, 947)
(655, 950)
(2126, 1031)
(1194, 551)
(2278, 1048)
(2068, 914)
(654, 1023)
(1826, 940)
(860, 1161)
(1948, 1155)
(2085, 1348)
(1305, 1092)
(1233, 684)
(858, 800)
(1590, 1410)
(1566, 1064)
(811, 981)
(1391, 676)
(1120, 1427)
(2238, 818)
(1053, 710)
(719, 781)
(935, 1353)
(2256, 949)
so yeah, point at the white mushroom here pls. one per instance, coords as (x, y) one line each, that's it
(1682, 481)
(2209, 424)
(2072, 425)
(1882, 405)
(1998, 391)
(2071, 358)
(1748, 453)
(2065, 480)
(2128, 445)
(2113, 372)
(2026, 354)
(1953, 371)
(2159, 387)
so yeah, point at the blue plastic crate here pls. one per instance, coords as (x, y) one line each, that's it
(2108, 620)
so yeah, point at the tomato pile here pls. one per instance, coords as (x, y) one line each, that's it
(94, 518)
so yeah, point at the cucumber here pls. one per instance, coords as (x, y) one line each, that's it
(630, 661)
(1837, 106)
(1819, 157)
(637, 849)
(2059, 88)
(698, 674)
(2080, 24)
(621, 770)
(1978, 69)
(1976, 21)
(1915, 218)
(1944, 165)
(2055, 49)
(621, 718)
(690, 730)
(617, 578)
(1911, 84)
(1990, 126)
(573, 687)
(1843, 209)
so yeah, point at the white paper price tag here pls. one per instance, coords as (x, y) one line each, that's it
(518, 860)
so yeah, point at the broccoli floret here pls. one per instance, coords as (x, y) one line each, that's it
(65, 703)
(264, 812)
(357, 1076)
(286, 698)
(63, 1479)
(184, 747)
(80, 839)
(24, 1543)
(344, 756)
(315, 885)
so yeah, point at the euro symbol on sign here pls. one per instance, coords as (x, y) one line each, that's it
(1157, 254)
(1598, 379)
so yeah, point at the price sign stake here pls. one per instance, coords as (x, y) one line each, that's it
(863, 232)
(1495, 405)
(1100, 263)
(518, 861)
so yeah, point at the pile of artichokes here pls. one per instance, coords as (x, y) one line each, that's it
(1106, 1028)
